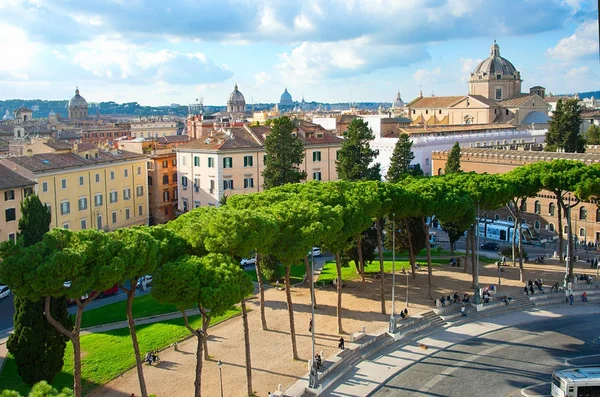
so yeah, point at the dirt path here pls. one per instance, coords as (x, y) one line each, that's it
(271, 350)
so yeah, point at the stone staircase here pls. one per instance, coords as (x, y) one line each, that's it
(559, 297)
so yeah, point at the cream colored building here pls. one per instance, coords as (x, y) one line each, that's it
(13, 188)
(231, 161)
(88, 189)
(153, 128)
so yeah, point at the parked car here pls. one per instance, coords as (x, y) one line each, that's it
(490, 247)
(111, 291)
(147, 279)
(71, 301)
(248, 261)
(4, 291)
(316, 251)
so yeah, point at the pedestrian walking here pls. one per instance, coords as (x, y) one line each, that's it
(310, 326)
(571, 299)
(341, 343)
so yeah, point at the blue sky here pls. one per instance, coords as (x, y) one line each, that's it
(159, 52)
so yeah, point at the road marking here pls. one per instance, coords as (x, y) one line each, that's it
(568, 360)
(524, 393)
(444, 374)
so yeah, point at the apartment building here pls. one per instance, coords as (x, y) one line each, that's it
(88, 189)
(153, 128)
(231, 161)
(13, 188)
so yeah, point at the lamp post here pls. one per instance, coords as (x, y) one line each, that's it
(220, 364)
(392, 327)
(477, 297)
(313, 380)
(407, 289)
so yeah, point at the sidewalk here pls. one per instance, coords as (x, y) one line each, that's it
(367, 376)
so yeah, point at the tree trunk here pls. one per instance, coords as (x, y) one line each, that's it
(515, 214)
(361, 260)
(473, 250)
(288, 295)
(199, 335)
(136, 347)
(451, 247)
(521, 269)
(309, 279)
(428, 246)
(381, 272)
(338, 266)
(247, 348)
(77, 392)
(570, 242)
(261, 290)
(560, 227)
(467, 251)
(411, 253)
(205, 325)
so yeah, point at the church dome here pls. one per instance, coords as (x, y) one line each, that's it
(398, 102)
(495, 64)
(78, 101)
(236, 96)
(286, 98)
(8, 116)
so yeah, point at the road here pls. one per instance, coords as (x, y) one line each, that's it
(7, 310)
(515, 361)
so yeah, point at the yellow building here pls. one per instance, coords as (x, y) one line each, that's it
(13, 188)
(91, 189)
(153, 127)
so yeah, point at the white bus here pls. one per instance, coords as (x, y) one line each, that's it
(503, 230)
(576, 382)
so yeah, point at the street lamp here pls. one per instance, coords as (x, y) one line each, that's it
(477, 297)
(220, 365)
(392, 327)
(313, 380)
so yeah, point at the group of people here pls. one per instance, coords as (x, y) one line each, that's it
(454, 262)
(584, 277)
(454, 299)
(539, 259)
(404, 313)
(151, 357)
(593, 263)
(539, 283)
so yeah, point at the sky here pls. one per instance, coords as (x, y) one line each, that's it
(158, 52)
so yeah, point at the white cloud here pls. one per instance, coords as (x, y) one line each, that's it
(428, 76)
(581, 44)
(18, 52)
(261, 79)
(580, 72)
(467, 65)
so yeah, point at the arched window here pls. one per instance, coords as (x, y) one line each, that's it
(439, 171)
(537, 207)
(536, 225)
(582, 232)
(523, 221)
(510, 219)
(551, 209)
(582, 213)
(524, 206)
(565, 229)
(497, 217)
(598, 215)
(551, 227)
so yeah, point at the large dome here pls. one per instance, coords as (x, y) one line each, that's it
(286, 97)
(495, 64)
(78, 101)
(398, 102)
(236, 96)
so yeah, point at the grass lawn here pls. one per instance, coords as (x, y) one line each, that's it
(106, 355)
(297, 273)
(422, 253)
(349, 273)
(143, 306)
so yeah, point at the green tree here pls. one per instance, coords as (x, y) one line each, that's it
(453, 163)
(355, 156)
(592, 135)
(401, 159)
(37, 346)
(284, 153)
(41, 389)
(564, 128)
(213, 283)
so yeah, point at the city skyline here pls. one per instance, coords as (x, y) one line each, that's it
(359, 51)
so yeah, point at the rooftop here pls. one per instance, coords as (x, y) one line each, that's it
(10, 179)
(57, 161)
(435, 101)
(433, 129)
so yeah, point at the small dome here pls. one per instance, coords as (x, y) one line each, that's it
(78, 101)
(286, 97)
(398, 102)
(8, 116)
(236, 97)
(495, 64)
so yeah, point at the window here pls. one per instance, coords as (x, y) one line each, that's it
(212, 186)
(98, 200)
(498, 77)
(81, 181)
(174, 162)
(166, 211)
(196, 204)
(174, 194)
(317, 176)
(114, 216)
(63, 183)
(82, 203)
(126, 194)
(12, 237)
(150, 165)
(113, 197)
(127, 213)
(551, 209)
(524, 206)
(65, 208)
(537, 207)
(112, 175)
(183, 162)
(247, 161)
(316, 156)
(196, 184)
(211, 162)
(99, 221)
(185, 205)
(582, 232)
(582, 214)
(139, 170)
(507, 112)
(66, 225)
(498, 94)
(227, 184)
(166, 196)
(497, 217)
(165, 163)
(9, 195)
(536, 225)
(196, 161)
(83, 224)
(125, 172)
(565, 229)
(227, 162)
(139, 191)
(510, 219)
(174, 177)
(140, 210)
(264, 159)
(184, 182)
(97, 178)
(248, 182)
(28, 191)
(44, 187)
(165, 179)
(11, 214)
(598, 215)
(551, 227)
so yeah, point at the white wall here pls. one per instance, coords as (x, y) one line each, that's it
(326, 122)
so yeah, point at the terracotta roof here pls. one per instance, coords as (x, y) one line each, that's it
(432, 129)
(308, 134)
(555, 98)
(518, 100)
(487, 101)
(435, 101)
(10, 179)
(345, 118)
(57, 161)
(528, 156)
(590, 113)
(173, 139)
(58, 145)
